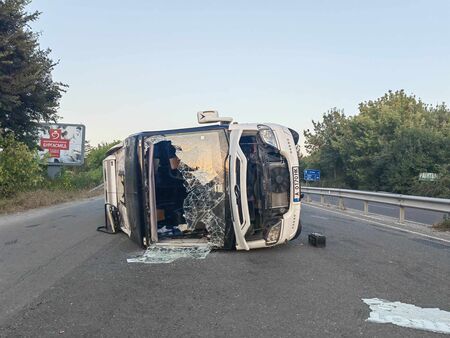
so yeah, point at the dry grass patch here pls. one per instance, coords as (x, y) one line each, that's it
(444, 225)
(41, 198)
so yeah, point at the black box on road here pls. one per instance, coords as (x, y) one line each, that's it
(317, 239)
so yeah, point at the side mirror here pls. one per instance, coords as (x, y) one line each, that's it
(212, 116)
(302, 195)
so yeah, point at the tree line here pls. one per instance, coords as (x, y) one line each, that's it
(384, 147)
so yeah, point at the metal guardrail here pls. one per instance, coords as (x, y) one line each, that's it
(402, 201)
(96, 188)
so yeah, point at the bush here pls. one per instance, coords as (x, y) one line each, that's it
(19, 167)
(73, 179)
(96, 155)
(87, 176)
(444, 225)
(439, 188)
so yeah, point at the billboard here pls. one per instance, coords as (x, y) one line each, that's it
(62, 143)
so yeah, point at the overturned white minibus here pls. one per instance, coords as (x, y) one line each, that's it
(233, 186)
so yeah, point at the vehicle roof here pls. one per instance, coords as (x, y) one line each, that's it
(232, 126)
(114, 148)
(251, 126)
(181, 130)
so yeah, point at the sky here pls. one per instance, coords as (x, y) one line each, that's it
(150, 65)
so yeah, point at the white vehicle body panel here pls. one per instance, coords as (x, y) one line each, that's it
(292, 217)
(240, 225)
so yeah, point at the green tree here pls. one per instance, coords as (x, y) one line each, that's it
(413, 151)
(384, 147)
(28, 93)
(393, 139)
(323, 144)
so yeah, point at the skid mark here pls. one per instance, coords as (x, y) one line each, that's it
(11, 242)
(32, 225)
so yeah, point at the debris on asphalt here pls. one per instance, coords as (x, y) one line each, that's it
(165, 254)
(317, 239)
(408, 315)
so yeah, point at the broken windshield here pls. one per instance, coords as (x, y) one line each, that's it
(189, 171)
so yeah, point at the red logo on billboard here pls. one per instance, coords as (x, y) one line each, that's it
(55, 143)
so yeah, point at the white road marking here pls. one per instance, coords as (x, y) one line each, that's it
(321, 217)
(382, 224)
(408, 315)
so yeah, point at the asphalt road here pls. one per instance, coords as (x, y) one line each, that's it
(58, 276)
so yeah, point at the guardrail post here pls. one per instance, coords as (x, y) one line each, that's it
(402, 215)
(322, 199)
(341, 203)
(366, 207)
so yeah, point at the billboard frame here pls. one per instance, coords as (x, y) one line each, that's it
(83, 141)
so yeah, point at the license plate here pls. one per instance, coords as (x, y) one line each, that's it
(296, 184)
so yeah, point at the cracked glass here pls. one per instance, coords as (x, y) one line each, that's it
(159, 255)
(190, 185)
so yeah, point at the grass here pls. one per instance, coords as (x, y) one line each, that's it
(42, 198)
(444, 225)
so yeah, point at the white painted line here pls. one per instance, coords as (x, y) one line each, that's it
(408, 315)
(382, 224)
(321, 217)
(372, 215)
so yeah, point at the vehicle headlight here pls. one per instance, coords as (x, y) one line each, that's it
(273, 235)
(268, 136)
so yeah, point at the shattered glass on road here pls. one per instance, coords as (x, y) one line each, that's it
(162, 254)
